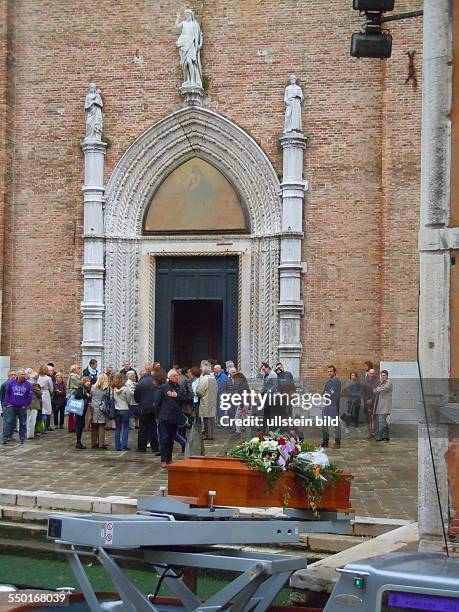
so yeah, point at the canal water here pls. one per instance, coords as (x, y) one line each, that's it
(51, 573)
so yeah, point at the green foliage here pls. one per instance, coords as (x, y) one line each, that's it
(205, 82)
(273, 455)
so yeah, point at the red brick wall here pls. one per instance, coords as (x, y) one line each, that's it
(250, 48)
(401, 163)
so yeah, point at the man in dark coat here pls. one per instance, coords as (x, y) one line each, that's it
(146, 395)
(285, 381)
(332, 390)
(369, 385)
(128, 368)
(11, 375)
(91, 371)
(172, 399)
(286, 387)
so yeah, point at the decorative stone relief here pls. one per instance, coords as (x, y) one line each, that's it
(121, 302)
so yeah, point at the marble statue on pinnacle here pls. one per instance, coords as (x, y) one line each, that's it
(189, 44)
(293, 99)
(93, 112)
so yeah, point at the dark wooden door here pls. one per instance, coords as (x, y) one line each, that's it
(203, 290)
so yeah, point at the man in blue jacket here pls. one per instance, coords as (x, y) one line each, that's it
(221, 377)
(332, 391)
(18, 395)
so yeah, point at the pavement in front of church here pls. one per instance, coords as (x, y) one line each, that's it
(384, 486)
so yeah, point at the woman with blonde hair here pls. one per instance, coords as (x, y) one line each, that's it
(60, 393)
(47, 390)
(98, 390)
(74, 381)
(122, 399)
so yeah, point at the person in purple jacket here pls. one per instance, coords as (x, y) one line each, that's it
(18, 396)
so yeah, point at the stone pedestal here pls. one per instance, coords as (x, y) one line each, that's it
(92, 306)
(290, 305)
(192, 95)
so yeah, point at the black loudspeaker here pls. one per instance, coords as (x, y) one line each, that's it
(382, 6)
(371, 44)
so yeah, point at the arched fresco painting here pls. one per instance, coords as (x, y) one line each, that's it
(195, 197)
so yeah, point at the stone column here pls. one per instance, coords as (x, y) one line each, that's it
(92, 306)
(290, 306)
(434, 353)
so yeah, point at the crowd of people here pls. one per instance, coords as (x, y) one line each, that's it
(162, 405)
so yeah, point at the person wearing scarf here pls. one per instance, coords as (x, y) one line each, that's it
(91, 371)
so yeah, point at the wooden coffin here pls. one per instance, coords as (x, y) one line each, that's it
(238, 485)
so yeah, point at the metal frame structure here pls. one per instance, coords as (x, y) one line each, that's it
(165, 525)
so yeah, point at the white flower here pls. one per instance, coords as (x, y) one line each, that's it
(254, 440)
(269, 445)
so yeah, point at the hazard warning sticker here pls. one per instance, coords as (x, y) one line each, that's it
(108, 533)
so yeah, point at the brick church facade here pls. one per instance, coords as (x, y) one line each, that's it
(362, 122)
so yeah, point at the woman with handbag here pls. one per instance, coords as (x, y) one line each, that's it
(82, 393)
(74, 381)
(99, 392)
(122, 399)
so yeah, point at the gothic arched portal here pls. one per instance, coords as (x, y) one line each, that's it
(130, 258)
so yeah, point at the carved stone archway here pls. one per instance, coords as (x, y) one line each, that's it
(129, 256)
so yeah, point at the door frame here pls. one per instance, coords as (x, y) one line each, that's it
(196, 247)
(197, 277)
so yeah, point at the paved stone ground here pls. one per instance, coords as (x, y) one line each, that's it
(385, 474)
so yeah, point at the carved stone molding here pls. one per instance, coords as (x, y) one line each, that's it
(121, 302)
(89, 145)
(192, 95)
(140, 171)
(170, 142)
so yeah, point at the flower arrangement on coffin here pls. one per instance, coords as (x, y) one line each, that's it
(273, 455)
